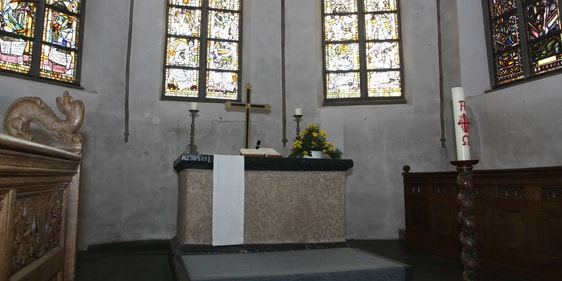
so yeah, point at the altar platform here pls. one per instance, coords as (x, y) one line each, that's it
(286, 200)
(149, 261)
(333, 264)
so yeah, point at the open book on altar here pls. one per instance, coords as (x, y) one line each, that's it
(260, 152)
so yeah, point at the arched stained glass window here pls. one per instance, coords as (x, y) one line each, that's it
(202, 55)
(362, 54)
(525, 39)
(42, 39)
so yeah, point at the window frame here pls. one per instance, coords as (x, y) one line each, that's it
(364, 99)
(202, 68)
(524, 43)
(38, 43)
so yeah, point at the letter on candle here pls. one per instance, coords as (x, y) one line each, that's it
(298, 111)
(193, 106)
(461, 122)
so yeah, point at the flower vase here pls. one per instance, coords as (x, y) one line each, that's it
(315, 154)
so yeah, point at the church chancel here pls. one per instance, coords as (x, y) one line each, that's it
(283, 200)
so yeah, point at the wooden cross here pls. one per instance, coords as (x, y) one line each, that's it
(248, 108)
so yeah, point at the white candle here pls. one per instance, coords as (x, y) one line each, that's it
(193, 106)
(460, 120)
(298, 111)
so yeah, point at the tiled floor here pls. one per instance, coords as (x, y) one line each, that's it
(150, 263)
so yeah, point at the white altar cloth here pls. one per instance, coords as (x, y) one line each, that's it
(228, 200)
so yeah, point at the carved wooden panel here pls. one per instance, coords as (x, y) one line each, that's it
(552, 225)
(510, 228)
(38, 225)
(518, 218)
(416, 213)
(552, 194)
(443, 209)
(440, 190)
(441, 219)
(510, 192)
(415, 189)
(38, 211)
(6, 200)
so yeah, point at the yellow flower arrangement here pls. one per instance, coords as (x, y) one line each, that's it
(313, 138)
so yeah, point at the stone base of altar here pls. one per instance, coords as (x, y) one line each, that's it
(285, 200)
(313, 265)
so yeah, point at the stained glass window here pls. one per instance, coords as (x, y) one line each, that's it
(526, 40)
(42, 39)
(362, 55)
(202, 59)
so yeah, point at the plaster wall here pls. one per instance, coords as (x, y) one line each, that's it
(520, 126)
(129, 187)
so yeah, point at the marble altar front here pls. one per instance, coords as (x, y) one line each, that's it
(286, 200)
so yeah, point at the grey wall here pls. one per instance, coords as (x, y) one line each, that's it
(129, 189)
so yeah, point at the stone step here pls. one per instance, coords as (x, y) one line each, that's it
(314, 265)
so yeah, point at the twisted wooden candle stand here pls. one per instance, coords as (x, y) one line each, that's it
(466, 219)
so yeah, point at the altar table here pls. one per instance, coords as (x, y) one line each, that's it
(286, 200)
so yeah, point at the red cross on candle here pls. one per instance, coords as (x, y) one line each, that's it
(463, 122)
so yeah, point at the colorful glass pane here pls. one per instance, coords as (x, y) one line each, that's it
(509, 67)
(340, 28)
(222, 55)
(380, 5)
(342, 57)
(222, 85)
(219, 45)
(343, 85)
(15, 54)
(184, 22)
(381, 26)
(182, 52)
(340, 6)
(542, 17)
(546, 55)
(501, 7)
(18, 17)
(181, 82)
(60, 29)
(187, 3)
(58, 64)
(384, 84)
(223, 25)
(346, 50)
(505, 33)
(225, 4)
(68, 6)
(383, 55)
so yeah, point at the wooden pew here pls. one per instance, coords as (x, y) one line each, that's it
(518, 218)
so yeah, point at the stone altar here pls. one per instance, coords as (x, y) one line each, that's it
(287, 200)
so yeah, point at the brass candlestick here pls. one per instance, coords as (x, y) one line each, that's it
(192, 148)
(467, 220)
